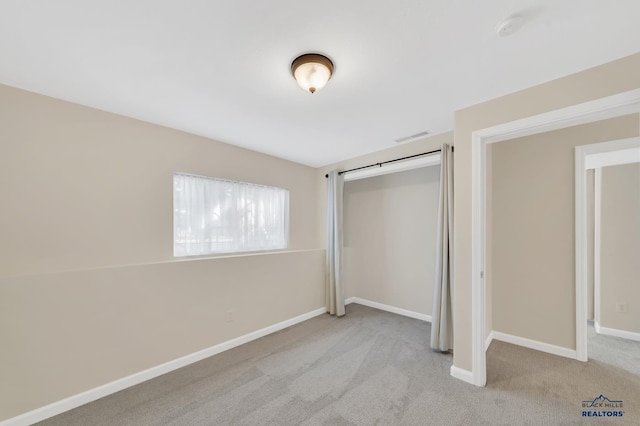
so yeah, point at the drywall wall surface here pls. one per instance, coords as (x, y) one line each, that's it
(85, 188)
(533, 229)
(620, 247)
(595, 83)
(89, 191)
(390, 224)
(65, 333)
(402, 150)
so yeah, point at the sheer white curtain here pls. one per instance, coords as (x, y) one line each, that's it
(217, 216)
(442, 318)
(334, 288)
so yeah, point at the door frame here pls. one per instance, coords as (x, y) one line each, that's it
(593, 156)
(596, 110)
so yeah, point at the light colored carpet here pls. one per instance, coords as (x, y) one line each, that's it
(614, 351)
(369, 367)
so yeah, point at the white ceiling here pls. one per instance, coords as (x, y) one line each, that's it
(221, 68)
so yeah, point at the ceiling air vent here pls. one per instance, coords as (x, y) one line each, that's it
(412, 137)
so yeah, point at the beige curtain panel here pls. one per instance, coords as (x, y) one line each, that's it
(334, 286)
(442, 322)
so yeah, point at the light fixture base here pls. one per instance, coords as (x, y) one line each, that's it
(312, 71)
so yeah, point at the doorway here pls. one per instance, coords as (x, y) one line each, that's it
(612, 106)
(615, 225)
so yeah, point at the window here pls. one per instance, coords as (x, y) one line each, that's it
(221, 216)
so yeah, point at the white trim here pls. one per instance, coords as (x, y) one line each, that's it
(597, 235)
(599, 109)
(478, 290)
(580, 223)
(585, 157)
(610, 106)
(616, 333)
(74, 401)
(624, 151)
(596, 326)
(534, 344)
(400, 166)
(488, 341)
(388, 308)
(461, 374)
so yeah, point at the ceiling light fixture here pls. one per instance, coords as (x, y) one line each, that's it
(312, 71)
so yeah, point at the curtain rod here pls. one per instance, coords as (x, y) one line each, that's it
(390, 161)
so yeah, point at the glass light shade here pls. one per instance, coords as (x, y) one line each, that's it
(312, 72)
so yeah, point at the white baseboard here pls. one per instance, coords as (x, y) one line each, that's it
(616, 333)
(461, 374)
(388, 308)
(534, 344)
(67, 404)
(487, 342)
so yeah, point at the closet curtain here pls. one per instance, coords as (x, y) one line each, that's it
(442, 318)
(334, 289)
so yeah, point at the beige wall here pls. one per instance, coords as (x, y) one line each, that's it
(533, 229)
(403, 150)
(608, 79)
(620, 247)
(91, 191)
(85, 188)
(68, 332)
(390, 226)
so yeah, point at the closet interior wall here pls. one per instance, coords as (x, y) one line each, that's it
(390, 226)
